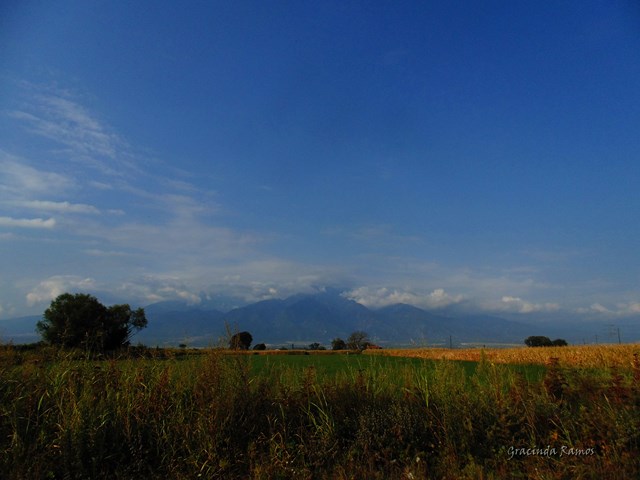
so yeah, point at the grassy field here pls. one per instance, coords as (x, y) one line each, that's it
(386, 368)
(592, 356)
(215, 415)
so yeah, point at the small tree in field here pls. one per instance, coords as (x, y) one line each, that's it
(538, 341)
(338, 344)
(358, 340)
(80, 320)
(240, 341)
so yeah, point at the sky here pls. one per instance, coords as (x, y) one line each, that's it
(479, 155)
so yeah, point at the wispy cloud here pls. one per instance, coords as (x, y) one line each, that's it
(27, 222)
(105, 253)
(619, 310)
(518, 305)
(62, 207)
(63, 122)
(20, 180)
(50, 288)
(51, 115)
(157, 288)
(372, 234)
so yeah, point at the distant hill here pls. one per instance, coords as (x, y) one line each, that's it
(301, 318)
(175, 324)
(305, 318)
(19, 330)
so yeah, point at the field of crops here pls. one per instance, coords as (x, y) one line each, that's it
(216, 415)
(593, 356)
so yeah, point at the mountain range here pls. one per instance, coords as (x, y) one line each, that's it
(306, 318)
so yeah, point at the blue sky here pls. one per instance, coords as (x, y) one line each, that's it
(478, 154)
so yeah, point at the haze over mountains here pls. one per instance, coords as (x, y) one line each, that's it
(305, 318)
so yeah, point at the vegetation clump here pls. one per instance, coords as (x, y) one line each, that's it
(541, 341)
(240, 341)
(338, 344)
(214, 416)
(81, 321)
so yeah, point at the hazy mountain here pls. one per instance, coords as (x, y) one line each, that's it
(406, 323)
(175, 322)
(301, 318)
(19, 330)
(320, 317)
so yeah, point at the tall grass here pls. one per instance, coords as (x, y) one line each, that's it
(212, 416)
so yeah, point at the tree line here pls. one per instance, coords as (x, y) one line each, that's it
(358, 340)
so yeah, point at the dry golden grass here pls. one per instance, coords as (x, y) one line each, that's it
(579, 356)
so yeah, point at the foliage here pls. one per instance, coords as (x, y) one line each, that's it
(211, 416)
(538, 341)
(338, 344)
(240, 341)
(259, 346)
(81, 321)
(316, 346)
(358, 340)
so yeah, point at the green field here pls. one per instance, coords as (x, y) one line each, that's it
(218, 415)
(393, 369)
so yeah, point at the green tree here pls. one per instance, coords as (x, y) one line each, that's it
(538, 341)
(338, 344)
(80, 320)
(240, 341)
(559, 342)
(358, 340)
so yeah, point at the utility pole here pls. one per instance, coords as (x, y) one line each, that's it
(613, 330)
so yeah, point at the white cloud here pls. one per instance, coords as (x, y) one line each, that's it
(56, 115)
(517, 305)
(383, 296)
(105, 253)
(50, 288)
(19, 179)
(62, 207)
(598, 308)
(440, 298)
(634, 307)
(68, 123)
(621, 309)
(27, 222)
(158, 288)
(100, 185)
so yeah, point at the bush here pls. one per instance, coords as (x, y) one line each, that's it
(538, 341)
(240, 341)
(81, 321)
